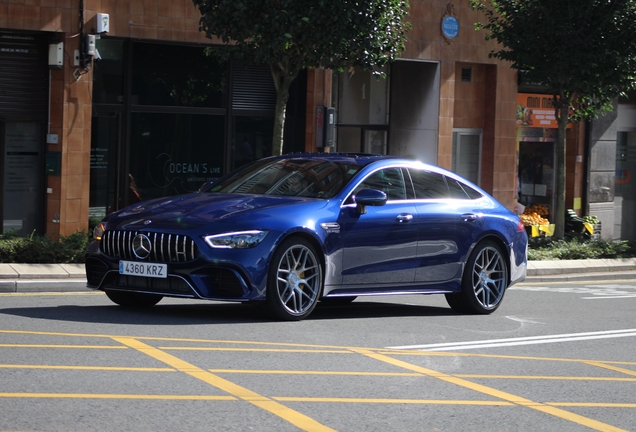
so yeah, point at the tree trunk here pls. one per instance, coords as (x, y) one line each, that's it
(282, 82)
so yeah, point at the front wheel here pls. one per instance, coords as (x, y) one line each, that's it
(484, 281)
(294, 282)
(132, 299)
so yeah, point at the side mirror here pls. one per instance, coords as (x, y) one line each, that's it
(205, 187)
(369, 197)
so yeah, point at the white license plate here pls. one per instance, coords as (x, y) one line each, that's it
(152, 270)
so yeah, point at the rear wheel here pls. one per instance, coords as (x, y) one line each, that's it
(132, 299)
(295, 280)
(484, 281)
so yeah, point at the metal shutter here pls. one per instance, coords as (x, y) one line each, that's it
(23, 77)
(253, 88)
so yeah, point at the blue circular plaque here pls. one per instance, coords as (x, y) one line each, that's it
(450, 27)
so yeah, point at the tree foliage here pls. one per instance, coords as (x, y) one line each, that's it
(581, 51)
(292, 35)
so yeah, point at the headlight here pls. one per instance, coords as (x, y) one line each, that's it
(98, 231)
(236, 240)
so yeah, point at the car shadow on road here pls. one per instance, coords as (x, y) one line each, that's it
(225, 313)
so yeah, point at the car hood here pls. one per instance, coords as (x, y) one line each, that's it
(185, 212)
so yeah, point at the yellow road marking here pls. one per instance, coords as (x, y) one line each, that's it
(612, 368)
(544, 377)
(592, 404)
(393, 401)
(521, 401)
(173, 348)
(302, 372)
(333, 347)
(294, 417)
(171, 339)
(382, 354)
(114, 396)
(95, 368)
(494, 356)
(61, 346)
(406, 374)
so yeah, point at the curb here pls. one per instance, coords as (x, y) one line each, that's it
(43, 285)
(27, 278)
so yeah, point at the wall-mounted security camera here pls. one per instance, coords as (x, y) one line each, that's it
(96, 56)
(90, 45)
(56, 55)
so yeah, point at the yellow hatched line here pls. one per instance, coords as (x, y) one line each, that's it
(304, 351)
(61, 346)
(592, 404)
(393, 401)
(114, 396)
(314, 348)
(302, 372)
(604, 365)
(544, 377)
(294, 417)
(95, 368)
(518, 400)
(170, 339)
(493, 356)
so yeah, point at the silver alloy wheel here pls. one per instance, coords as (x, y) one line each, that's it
(298, 280)
(488, 277)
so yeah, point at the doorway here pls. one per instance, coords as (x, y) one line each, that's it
(467, 153)
(21, 180)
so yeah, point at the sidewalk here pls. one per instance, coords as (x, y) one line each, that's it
(581, 270)
(25, 278)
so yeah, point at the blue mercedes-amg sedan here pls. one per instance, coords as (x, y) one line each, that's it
(294, 230)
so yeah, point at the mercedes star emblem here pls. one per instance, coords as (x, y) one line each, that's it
(141, 246)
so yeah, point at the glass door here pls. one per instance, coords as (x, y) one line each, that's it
(104, 197)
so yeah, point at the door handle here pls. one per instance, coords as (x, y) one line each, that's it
(469, 217)
(404, 217)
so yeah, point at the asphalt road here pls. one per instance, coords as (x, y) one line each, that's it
(553, 357)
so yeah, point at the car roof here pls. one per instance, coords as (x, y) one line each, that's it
(364, 159)
(354, 158)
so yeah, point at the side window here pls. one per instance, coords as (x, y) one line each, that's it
(428, 185)
(461, 191)
(472, 193)
(456, 190)
(390, 181)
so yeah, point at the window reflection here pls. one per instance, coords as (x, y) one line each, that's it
(293, 177)
(172, 75)
(173, 153)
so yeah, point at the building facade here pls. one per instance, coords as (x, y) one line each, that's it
(105, 103)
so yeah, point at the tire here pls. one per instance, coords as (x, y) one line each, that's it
(338, 300)
(132, 299)
(484, 281)
(294, 281)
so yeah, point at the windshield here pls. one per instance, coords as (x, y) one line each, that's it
(314, 178)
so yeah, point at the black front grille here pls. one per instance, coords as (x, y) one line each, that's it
(95, 271)
(169, 285)
(164, 247)
(225, 283)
